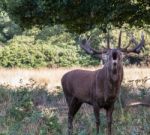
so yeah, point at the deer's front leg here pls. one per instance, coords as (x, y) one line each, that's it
(109, 112)
(96, 113)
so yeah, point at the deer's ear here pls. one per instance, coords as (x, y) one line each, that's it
(123, 55)
(105, 57)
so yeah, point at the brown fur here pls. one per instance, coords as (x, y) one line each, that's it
(98, 88)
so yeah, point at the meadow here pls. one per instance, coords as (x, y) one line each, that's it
(50, 77)
(32, 103)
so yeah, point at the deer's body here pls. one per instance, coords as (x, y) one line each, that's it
(98, 88)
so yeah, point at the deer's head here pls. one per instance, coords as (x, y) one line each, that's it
(114, 60)
(112, 57)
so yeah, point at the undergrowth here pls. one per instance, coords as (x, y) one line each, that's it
(35, 111)
(25, 111)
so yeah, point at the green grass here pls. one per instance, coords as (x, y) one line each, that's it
(34, 111)
(25, 111)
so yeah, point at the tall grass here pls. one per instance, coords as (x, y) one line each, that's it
(51, 77)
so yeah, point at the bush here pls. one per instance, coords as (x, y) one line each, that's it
(33, 49)
(20, 113)
(54, 47)
(8, 29)
(40, 56)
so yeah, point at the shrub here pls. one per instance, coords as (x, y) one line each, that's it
(54, 47)
(36, 50)
(20, 113)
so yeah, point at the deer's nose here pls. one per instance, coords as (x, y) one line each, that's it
(115, 64)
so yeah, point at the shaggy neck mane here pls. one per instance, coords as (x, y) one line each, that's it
(113, 74)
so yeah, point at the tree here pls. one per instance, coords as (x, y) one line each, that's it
(7, 27)
(79, 15)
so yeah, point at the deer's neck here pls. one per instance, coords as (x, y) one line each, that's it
(108, 83)
(114, 76)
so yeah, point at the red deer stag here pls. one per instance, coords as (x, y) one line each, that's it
(98, 88)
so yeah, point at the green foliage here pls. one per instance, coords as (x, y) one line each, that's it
(22, 115)
(33, 110)
(72, 13)
(40, 56)
(51, 47)
(7, 27)
(55, 47)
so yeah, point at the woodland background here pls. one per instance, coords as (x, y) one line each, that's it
(40, 33)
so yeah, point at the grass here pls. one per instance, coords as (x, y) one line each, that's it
(51, 77)
(35, 105)
(26, 111)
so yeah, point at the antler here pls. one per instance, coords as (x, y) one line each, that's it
(138, 47)
(119, 39)
(130, 41)
(108, 42)
(86, 45)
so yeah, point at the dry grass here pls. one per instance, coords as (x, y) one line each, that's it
(51, 77)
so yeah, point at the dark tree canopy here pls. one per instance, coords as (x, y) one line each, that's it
(79, 15)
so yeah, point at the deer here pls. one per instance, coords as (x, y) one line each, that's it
(99, 88)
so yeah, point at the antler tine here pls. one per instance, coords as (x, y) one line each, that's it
(130, 41)
(108, 41)
(133, 40)
(119, 39)
(89, 38)
(138, 47)
(86, 46)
